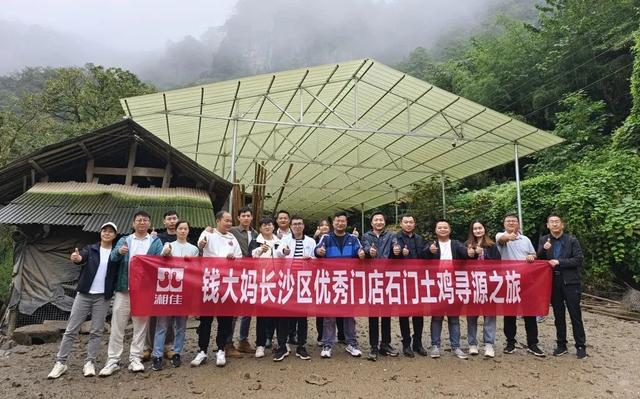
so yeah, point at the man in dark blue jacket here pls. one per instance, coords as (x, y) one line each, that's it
(96, 284)
(339, 244)
(377, 245)
(564, 254)
(406, 244)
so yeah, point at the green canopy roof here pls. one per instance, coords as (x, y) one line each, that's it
(348, 135)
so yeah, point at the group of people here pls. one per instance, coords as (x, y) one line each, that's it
(105, 271)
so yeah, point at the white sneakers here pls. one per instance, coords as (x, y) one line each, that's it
(435, 352)
(353, 351)
(326, 352)
(200, 358)
(473, 350)
(109, 368)
(221, 360)
(259, 351)
(136, 366)
(489, 351)
(459, 353)
(89, 370)
(58, 369)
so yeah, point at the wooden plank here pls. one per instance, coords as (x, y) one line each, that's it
(137, 171)
(85, 150)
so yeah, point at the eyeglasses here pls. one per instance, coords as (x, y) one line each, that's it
(141, 220)
(297, 224)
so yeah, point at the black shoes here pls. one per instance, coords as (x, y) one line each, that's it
(175, 360)
(387, 350)
(407, 351)
(302, 353)
(420, 350)
(560, 350)
(373, 354)
(533, 349)
(156, 363)
(510, 348)
(280, 354)
(581, 352)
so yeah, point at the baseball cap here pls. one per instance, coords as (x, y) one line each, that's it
(113, 225)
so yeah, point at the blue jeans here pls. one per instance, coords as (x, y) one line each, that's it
(329, 331)
(488, 332)
(454, 330)
(161, 330)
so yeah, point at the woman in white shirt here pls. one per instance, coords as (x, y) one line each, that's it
(180, 247)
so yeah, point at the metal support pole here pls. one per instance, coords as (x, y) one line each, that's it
(518, 198)
(233, 162)
(362, 219)
(355, 103)
(444, 199)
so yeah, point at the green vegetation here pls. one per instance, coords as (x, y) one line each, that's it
(569, 73)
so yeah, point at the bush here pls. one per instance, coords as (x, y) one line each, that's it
(599, 199)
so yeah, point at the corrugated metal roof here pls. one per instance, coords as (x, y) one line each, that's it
(90, 205)
(357, 133)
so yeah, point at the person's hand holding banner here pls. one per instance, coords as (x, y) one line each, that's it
(405, 251)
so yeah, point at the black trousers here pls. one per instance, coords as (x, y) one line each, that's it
(567, 297)
(298, 328)
(418, 326)
(282, 326)
(339, 326)
(530, 326)
(374, 337)
(204, 332)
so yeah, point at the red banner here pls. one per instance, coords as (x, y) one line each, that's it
(173, 286)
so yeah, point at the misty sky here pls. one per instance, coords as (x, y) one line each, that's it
(175, 43)
(125, 25)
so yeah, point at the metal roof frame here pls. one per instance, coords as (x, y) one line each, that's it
(358, 133)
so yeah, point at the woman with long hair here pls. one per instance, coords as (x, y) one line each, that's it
(480, 246)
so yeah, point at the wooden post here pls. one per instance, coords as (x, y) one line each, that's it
(132, 162)
(166, 179)
(89, 170)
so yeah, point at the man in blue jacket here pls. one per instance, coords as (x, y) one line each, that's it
(339, 244)
(138, 243)
(564, 254)
(377, 245)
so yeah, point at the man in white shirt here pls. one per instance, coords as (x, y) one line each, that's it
(297, 246)
(515, 246)
(138, 243)
(222, 244)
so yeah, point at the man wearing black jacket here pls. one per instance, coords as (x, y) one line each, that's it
(377, 245)
(96, 284)
(444, 248)
(565, 257)
(408, 245)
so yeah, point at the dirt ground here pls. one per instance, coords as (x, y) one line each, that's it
(610, 371)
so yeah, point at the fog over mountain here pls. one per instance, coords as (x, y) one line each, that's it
(258, 36)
